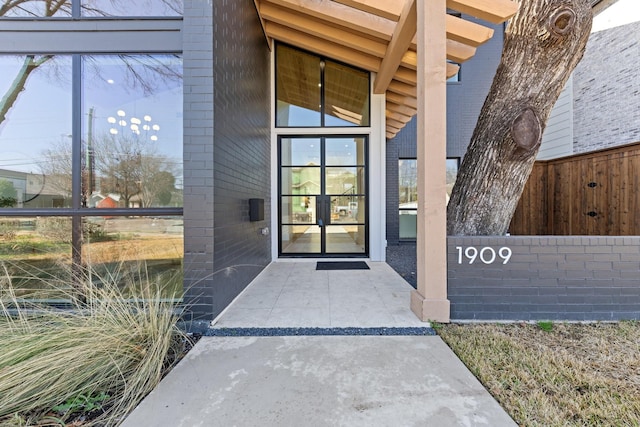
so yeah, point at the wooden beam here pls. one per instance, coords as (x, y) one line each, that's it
(467, 32)
(398, 46)
(336, 34)
(323, 47)
(459, 52)
(406, 75)
(400, 108)
(458, 29)
(361, 25)
(322, 29)
(398, 117)
(341, 15)
(384, 8)
(394, 124)
(496, 11)
(402, 99)
(402, 88)
(452, 69)
(269, 39)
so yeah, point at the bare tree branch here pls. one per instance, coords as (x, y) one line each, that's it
(30, 64)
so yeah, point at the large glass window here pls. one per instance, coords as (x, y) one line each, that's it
(106, 199)
(312, 91)
(132, 155)
(96, 8)
(35, 131)
(132, 7)
(408, 194)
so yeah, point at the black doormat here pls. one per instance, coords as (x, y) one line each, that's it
(342, 265)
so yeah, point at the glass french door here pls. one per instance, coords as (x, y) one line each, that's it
(322, 196)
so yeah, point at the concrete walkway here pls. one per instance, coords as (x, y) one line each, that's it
(351, 380)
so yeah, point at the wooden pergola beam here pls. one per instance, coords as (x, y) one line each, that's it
(323, 47)
(402, 88)
(384, 8)
(341, 15)
(495, 11)
(269, 39)
(458, 29)
(399, 44)
(459, 52)
(322, 29)
(467, 32)
(398, 117)
(400, 108)
(409, 101)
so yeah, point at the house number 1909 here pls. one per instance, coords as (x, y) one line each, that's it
(487, 255)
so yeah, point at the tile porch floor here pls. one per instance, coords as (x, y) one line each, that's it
(294, 294)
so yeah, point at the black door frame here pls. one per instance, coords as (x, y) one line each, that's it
(323, 201)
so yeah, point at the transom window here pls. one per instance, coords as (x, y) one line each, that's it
(312, 91)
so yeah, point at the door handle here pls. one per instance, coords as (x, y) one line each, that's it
(320, 211)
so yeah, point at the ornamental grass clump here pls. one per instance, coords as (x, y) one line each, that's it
(105, 343)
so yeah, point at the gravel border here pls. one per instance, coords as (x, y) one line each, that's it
(402, 258)
(287, 332)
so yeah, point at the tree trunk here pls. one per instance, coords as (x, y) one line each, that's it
(543, 43)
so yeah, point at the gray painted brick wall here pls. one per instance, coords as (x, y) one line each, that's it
(607, 90)
(198, 156)
(227, 152)
(547, 278)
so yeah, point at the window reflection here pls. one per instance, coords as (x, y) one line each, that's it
(36, 252)
(35, 131)
(102, 8)
(408, 193)
(135, 252)
(313, 92)
(132, 150)
(132, 7)
(35, 8)
(346, 96)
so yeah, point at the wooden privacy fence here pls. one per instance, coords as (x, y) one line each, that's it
(586, 194)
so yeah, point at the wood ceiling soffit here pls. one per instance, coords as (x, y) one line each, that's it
(494, 11)
(398, 46)
(323, 47)
(323, 29)
(341, 15)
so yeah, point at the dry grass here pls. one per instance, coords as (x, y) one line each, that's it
(572, 375)
(107, 344)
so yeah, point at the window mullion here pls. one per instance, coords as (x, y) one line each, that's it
(76, 158)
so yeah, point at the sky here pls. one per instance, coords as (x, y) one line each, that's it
(620, 13)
